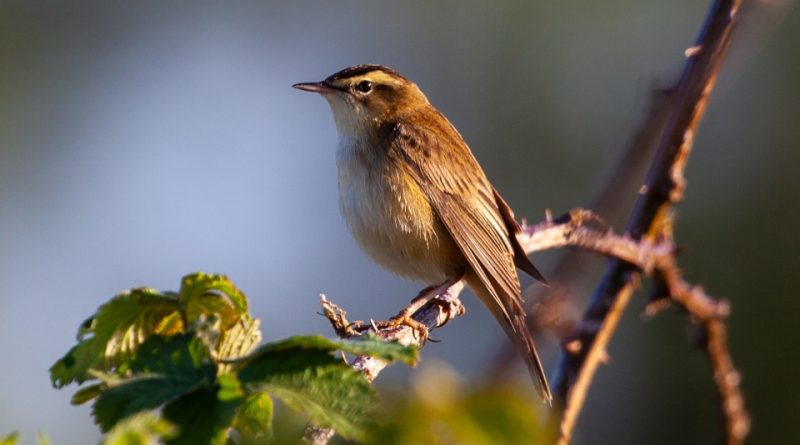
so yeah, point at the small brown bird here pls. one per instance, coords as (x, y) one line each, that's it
(417, 201)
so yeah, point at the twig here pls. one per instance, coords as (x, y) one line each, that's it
(664, 187)
(443, 308)
(710, 314)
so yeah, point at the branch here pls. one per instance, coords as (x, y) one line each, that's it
(664, 187)
(570, 230)
(444, 307)
(435, 314)
(710, 315)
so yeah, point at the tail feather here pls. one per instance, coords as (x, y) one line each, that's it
(524, 340)
(517, 331)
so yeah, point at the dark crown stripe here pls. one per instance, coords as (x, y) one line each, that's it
(358, 70)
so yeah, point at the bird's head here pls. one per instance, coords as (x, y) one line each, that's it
(366, 96)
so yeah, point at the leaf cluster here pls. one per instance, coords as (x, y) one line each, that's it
(191, 356)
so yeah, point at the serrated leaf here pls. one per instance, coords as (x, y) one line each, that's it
(88, 393)
(166, 368)
(229, 388)
(176, 355)
(130, 318)
(117, 328)
(253, 420)
(10, 439)
(205, 293)
(201, 417)
(313, 381)
(368, 345)
(212, 304)
(75, 365)
(240, 339)
(142, 429)
(381, 349)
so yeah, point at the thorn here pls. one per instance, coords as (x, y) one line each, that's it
(723, 309)
(733, 378)
(573, 347)
(655, 306)
(692, 50)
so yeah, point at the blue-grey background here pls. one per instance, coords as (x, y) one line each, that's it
(140, 141)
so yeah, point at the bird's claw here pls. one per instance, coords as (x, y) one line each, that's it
(402, 319)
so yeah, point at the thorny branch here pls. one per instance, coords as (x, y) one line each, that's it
(651, 220)
(571, 230)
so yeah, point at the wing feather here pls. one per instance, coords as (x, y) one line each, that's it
(465, 202)
(480, 223)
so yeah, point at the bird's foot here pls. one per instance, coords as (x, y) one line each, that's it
(403, 318)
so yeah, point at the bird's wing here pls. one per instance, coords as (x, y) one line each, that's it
(520, 257)
(478, 220)
(466, 203)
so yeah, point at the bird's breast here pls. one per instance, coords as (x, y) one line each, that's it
(390, 216)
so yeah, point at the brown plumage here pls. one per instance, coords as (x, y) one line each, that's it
(418, 202)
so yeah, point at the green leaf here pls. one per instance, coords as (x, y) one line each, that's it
(302, 372)
(11, 439)
(253, 420)
(203, 293)
(313, 381)
(75, 365)
(177, 355)
(229, 388)
(117, 328)
(240, 339)
(368, 345)
(88, 393)
(165, 368)
(381, 349)
(142, 429)
(201, 417)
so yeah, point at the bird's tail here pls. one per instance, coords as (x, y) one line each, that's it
(517, 331)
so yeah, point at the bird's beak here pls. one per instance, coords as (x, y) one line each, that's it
(315, 87)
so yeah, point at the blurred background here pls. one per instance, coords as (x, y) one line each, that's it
(143, 141)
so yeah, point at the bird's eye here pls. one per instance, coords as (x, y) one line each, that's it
(365, 86)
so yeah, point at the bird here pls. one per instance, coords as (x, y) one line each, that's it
(418, 203)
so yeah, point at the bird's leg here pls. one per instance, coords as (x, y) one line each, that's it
(404, 317)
